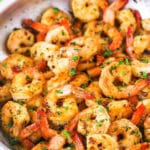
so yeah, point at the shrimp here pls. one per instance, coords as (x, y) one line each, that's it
(124, 131)
(147, 127)
(61, 104)
(119, 109)
(101, 141)
(109, 13)
(85, 10)
(4, 90)
(58, 35)
(52, 16)
(20, 41)
(27, 84)
(146, 24)
(65, 61)
(107, 84)
(126, 18)
(56, 143)
(43, 51)
(141, 146)
(14, 117)
(40, 146)
(141, 43)
(14, 64)
(138, 67)
(93, 120)
(88, 46)
(114, 35)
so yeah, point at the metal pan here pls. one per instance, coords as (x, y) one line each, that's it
(13, 11)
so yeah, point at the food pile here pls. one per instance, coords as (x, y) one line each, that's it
(80, 82)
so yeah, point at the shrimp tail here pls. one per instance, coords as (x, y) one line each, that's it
(28, 144)
(129, 43)
(37, 26)
(138, 19)
(119, 4)
(77, 142)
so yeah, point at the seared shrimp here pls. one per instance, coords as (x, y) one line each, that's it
(61, 105)
(14, 64)
(43, 51)
(56, 143)
(93, 120)
(52, 16)
(126, 18)
(119, 109)
(14, 117)
(85, 10)
(101, 142)
(4, 90)
(65, 61)
(124, 131)
(108, 87)
(109, 14)
(20, 41)
(58, 35)
(88, 46)
(27, 84)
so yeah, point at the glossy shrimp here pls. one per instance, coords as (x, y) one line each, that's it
(107, 80)
(20, 41)
(124, 131)
(14, 117)
(13, 64)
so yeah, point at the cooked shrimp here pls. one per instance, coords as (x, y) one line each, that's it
(4, 90)
(59, 35)
(85, 10)
(141, 146)
(109, 14)
(20, 41)
(101, 141)
(119, 109)
(138, 67)
(56, 143)
(107, 84)
(114, 35)
(65, 61)
(88, 46)
(126, 18)
(52, 16)
(147, 127)
(124, 131)
(27, 84)
(93, 120)
(146, 24)
(40, 146)
(141, 43)
(43, 51)
(14, 117)
(14, 64)
(61, 105)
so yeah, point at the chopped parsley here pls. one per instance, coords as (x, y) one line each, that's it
(99, 101)
(144, 60)
(125, 62)
(72, 72)
(59, 92)
(44, 148)
(75, 58)
(55, 10)
(144, 75)
(83, 86)
(66, 134)
(107, 53)
(99, 123)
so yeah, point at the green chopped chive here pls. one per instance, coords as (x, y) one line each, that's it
(107, 53)
(72, 72)
(66, 134)
(4, 65)
(75, 58)
(99, 123)
(55, 10)
(83, 86)
(144, 75)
